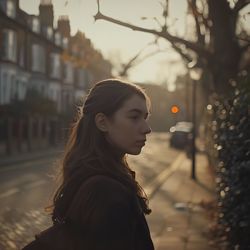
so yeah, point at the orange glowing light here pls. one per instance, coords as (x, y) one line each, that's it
(175, 109)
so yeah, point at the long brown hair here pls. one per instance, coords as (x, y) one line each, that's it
(87, 150)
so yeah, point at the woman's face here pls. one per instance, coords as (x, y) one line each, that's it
(128, 127)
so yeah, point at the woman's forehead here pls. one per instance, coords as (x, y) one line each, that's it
(135, 103)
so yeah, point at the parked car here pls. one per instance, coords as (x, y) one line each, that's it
(181, 135)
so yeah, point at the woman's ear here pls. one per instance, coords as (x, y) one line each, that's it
(101, 122)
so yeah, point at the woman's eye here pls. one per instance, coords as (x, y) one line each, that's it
(134, 117)
(147, 117)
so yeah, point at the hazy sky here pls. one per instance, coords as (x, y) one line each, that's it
(115, 41)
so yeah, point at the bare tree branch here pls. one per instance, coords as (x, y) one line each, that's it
(165, 15)
(153, 53)
(133, 61)
(100, 16)
(155, 19)
(98, 6)
(240, 5)
(164, 34)
(196, 14)
(129, 64)
(184, 55)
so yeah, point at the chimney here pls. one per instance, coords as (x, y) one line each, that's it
(46, 13)
(63, 26)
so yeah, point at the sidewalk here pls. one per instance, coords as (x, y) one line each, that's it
(28, 156)
(178, 222)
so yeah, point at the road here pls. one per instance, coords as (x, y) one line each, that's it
(26, 188)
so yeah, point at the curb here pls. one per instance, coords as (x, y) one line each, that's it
(158, 181)
(19, 159)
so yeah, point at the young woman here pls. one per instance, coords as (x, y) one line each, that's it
(99, 205)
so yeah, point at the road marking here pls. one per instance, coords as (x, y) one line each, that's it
(153, 186)
(9, 192)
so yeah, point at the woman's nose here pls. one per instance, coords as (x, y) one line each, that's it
(146, 128)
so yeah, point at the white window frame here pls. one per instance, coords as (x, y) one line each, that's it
(55, 61)
(49, 32)
(35, 25)
(11, 8)
(38, 58)
(58, 39)
(69, 72)
(10, 45)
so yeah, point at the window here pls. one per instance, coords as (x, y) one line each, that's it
(82, 77)
(42, 90)
(21, 90)
(69, 73)
(9, 49)
(2, 87)
(38, 58)
(49, 33)
(55, 65)
(35, 25)
(21, 56)
(5, 93)
(11, 8)
(58, 39)
(65, 42)
(13, 88)
(5, 88)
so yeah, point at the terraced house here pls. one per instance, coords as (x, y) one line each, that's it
(44, 71)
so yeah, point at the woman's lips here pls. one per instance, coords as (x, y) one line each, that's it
(140, 143)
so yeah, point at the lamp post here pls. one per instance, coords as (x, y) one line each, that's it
(195, 74)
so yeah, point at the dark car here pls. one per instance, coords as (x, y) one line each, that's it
(180, 135)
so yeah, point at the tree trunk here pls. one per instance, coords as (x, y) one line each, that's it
(224, 44)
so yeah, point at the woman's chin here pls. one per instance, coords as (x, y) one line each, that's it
(135, 151)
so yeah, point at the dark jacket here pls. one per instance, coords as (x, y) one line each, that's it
(104, 215)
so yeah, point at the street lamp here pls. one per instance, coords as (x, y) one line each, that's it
(195, 74)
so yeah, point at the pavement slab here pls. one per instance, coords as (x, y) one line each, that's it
(178, 221)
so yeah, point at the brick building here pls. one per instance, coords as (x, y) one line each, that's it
(38, 59)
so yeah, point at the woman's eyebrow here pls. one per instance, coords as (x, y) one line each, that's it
(138, 111)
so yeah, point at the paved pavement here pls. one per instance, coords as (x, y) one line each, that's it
(178, 220)
(27, 156)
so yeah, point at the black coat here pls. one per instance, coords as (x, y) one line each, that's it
(104, 215)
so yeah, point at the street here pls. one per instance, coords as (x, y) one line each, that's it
(25, 189)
